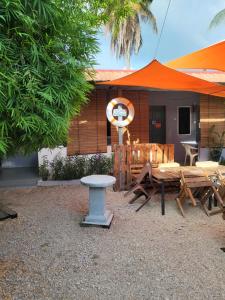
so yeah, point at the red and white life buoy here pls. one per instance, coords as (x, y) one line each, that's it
(111, 115)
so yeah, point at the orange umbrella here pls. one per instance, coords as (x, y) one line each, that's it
(211, 57)
(157, 76)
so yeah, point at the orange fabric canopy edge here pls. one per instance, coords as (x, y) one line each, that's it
(157, 76)
(206, 58)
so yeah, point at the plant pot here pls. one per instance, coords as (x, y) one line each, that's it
(215, 154)
(44, 178)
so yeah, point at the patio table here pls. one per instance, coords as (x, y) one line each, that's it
(166, 175)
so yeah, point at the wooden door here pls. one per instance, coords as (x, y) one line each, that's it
(157, 124)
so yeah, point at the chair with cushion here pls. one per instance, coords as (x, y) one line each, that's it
(206, 164)
(169, 165)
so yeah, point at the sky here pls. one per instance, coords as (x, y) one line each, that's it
(186, 30)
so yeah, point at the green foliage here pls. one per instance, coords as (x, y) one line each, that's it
(222, 161)
(124, 25)
(57, 168)
(218, 19)
(79, 166)
(216, 143)
(99, 164)
(44, 170)
(45, 47)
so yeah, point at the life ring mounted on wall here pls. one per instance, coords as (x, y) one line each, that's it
(120, 112)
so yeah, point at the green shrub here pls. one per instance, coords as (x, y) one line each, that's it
(216, 143)
(222, 161)
(78, 166)
(75, 167)
(44, 170)
(57, 168)
(100, 164)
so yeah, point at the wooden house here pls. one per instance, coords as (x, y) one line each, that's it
(163, 117)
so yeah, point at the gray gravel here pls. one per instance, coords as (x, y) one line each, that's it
(45, 254)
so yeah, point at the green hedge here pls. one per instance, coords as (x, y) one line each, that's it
(75, 167)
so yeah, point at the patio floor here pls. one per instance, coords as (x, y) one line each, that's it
(45, 254)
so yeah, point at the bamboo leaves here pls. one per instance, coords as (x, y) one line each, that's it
(45, 47)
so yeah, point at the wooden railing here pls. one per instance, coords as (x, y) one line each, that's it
(125, 156)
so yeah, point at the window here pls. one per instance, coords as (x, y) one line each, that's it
(184, 120)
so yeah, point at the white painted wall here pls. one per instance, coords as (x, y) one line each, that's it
(204, 154)
(50, 154)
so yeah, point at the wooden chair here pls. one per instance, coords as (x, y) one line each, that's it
(138, 183)
(135, 170)
(220, 183)
(144, 184)
(193, 187)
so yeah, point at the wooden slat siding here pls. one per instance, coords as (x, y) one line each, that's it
(139, 127)
(73, 144)
(101, 120)
(139, 154)
(87, 133)
(211, 109)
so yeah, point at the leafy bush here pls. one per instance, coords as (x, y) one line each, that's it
(78, 166)
(44, 170)
(100, 164)
(57, 168)
(216, 143)
(74, 167)
(222, 161)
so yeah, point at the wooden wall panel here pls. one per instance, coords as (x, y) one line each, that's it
(212, 111)
(87, 133)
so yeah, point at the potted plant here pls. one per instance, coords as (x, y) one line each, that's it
(216, 143)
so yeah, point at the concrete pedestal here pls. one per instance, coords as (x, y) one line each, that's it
(98, 215)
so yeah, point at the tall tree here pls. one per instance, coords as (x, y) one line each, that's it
(46, 47)
(125, 28)
(218, 18)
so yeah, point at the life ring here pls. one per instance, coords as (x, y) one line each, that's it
(111, 117)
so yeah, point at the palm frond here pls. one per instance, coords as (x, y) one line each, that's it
(126, 38)
(218, 19)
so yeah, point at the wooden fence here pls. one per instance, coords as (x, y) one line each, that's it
(125, 156)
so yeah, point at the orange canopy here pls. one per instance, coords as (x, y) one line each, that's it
(158, 76)
(211, 57)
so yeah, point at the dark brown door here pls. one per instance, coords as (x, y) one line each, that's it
(157, 125)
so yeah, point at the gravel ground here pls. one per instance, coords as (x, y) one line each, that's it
(45, 254)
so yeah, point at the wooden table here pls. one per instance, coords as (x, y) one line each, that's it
(166, 175)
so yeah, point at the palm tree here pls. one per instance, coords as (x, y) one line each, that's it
(218, 18)
(125, 31)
